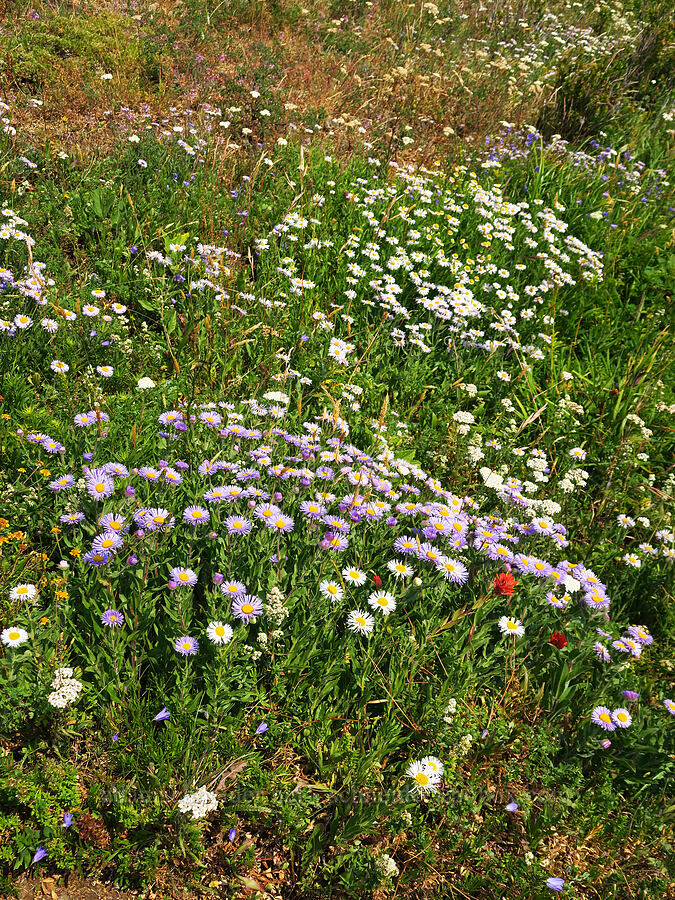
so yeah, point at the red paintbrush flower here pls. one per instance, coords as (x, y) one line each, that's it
(505, 584)
(377, 581)
(558, 640)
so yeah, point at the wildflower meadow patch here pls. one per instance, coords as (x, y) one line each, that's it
(337, 525)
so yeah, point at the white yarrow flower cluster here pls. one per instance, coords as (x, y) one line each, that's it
(275, 608)
(464, 420)
(449, 711)
(464, 745)
(198, 804)
(66, 688)
(386, 866)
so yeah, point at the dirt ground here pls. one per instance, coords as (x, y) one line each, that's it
(70, 888)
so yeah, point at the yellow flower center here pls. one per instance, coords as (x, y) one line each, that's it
(360, 621)
(421, 778)
(183, 576)
(247, 609)
(220, 631)
(14, 635)
(604, 717)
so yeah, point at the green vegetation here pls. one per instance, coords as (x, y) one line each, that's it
(336, 449)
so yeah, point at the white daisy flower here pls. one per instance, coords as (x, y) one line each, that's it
(218, 633)
(13, 636)
(508, 625)
(331, 590)
(360, 622)
(382, 601)
(433, 765)
(425, 781)
(399, 569)
(23, 592)
(354, 576)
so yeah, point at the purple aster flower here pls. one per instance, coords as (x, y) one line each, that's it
(72, 518)
(62, 484)
(280, 523)
(233, 588)
(237, 525)
(511, 807)
(112, 618)
(406, 545)
(162, 715)
(555, 884)
(183, 577)
(603, 717)
(108, 542)
(602, 652)
(621, 717)
(96, 558)
(596, 599)
(52, 446)
(112, 522)
(312, 509)
(630, 695)
(99, 484)
(337, 523)
(150, 473)
(133, 559)
(247, 607)
(186, 645)
(336, 542)
(195, 515)
(641, 634)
